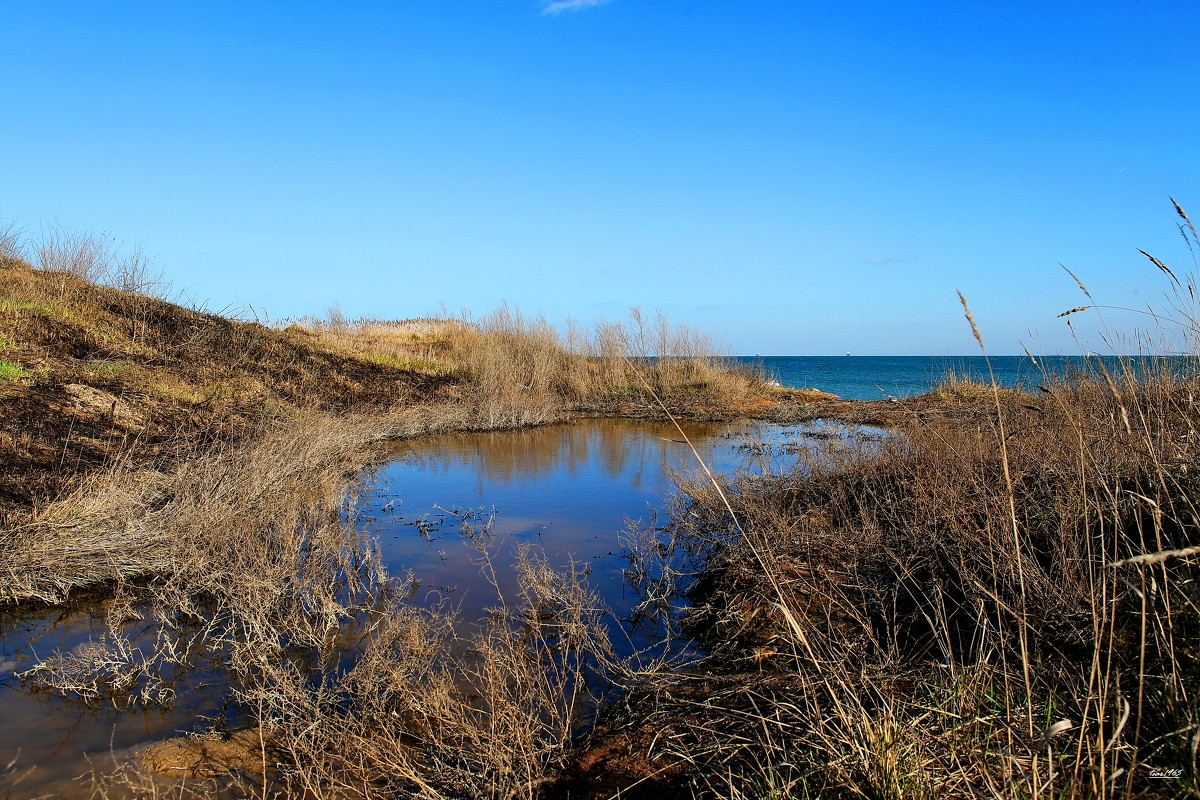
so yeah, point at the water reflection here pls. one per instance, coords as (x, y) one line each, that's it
(53, 742)
(438, 506)
(568, 490)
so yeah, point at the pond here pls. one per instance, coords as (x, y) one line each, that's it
(436, 505)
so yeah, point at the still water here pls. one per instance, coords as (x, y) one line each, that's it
(436, 505)
(570, 492)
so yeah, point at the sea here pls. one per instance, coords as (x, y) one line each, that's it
(882, 377)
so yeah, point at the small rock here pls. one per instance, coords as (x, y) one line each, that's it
(93, 402)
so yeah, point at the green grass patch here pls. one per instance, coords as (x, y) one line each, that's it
(34, 306)
(12, 372)
(109, 369)
(387, 360)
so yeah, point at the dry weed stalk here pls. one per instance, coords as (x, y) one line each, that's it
(996, 607)
(893, 599)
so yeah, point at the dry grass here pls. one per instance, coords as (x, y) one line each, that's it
(424, 706)
(97, 373)
(356, 693)
(995, 605)
(196, 468)
(521, 368)
(103, 379)
(935, 626)
(999, 604)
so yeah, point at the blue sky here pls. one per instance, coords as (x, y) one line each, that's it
(792, 177)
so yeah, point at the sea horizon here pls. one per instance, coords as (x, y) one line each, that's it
(878, 377)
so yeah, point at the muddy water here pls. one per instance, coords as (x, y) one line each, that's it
(437, 506)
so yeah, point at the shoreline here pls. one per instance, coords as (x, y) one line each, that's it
(197, 468)
(129, 538)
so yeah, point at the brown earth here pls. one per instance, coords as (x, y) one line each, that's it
(239, 753)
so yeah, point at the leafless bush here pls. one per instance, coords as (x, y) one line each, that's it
(425, 713)
(428, 709)
(135, 271)
(82, 254)
(12, 244)
(93, 258)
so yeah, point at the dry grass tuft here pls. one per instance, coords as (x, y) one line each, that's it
(999, 605)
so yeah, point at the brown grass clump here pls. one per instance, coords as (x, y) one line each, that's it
(522, 369)
(987, 605)
(954, 388)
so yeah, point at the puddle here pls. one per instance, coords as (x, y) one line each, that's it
(436, 505)
(566, 491)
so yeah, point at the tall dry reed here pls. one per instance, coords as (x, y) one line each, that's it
(520, 370)
(1002, 605)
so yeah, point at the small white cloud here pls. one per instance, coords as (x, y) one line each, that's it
(559, 6)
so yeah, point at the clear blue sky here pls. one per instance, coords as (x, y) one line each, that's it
(793, 177)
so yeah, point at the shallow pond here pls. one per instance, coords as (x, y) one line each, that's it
(568, 491)
(436, 505)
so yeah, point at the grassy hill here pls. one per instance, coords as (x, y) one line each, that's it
(90, 375)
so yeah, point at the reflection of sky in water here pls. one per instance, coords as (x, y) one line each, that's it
(47, 736)
(566, 490)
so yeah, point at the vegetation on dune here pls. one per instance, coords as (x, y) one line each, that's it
(507, 361)
(113, 401)
(995, 603)
(196, 467)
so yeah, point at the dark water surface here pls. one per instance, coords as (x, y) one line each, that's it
(436, 505)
